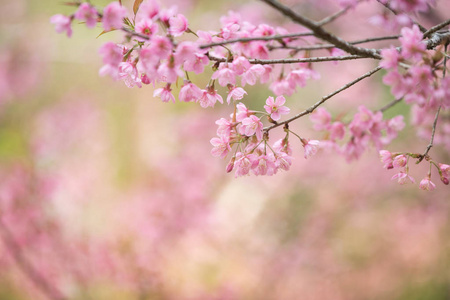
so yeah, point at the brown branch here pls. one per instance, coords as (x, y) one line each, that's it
(334, 16)
(321, 33)
(323, 100)
(257, 38)
(329, 46)
(436, 28)
(25, 265)
(433, 131)
(390, 104)
(293, 60)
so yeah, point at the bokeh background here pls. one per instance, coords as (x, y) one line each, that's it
(107, 193)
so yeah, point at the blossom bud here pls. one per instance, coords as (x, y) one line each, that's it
(230, 165)
(444, 180)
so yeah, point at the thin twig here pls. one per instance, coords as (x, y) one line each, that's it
(293, 60)
(423, 29)
(325, 98)
(334, 16)
(329, 46)
(321, 33)
(257, 38)
(436, 28)
(27, 268)
(389, 105)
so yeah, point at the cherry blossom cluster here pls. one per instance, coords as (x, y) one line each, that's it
(400, 161)
(160, 49)
(367, 127)
(244, 130)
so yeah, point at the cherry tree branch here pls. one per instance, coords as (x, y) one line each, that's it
(436, 28)
(334, 16)
(258, 38)
(26, 267)
(293, 60)
(390, 104)
(329, 46)
(321, 33)
(323, 100)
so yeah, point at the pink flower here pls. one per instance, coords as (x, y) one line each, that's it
(237, 93)
(445, 171)
(251, 75)
(210, 97)
(264, 165)
(426, 184)
(242, 112)
(62, 24)
(221, 146)
(129, 74)
(276, 108)
(112, 53)
(390, 59)
(337, 131)
(282, 145)
(281, 87)
(160, 46)
(321, 119)
(283, 161)
(243, 163)
(148, 10)
(225, 75)
(178, 25)
(412, 45)
(196, 63)
(386, 159)
(164, 93)
(113, 15)
(403, 178)
(88, 14)
(250, 126)
(190, 93)
(311, 148)
(225, 127)
(146, 27)
(399, 161)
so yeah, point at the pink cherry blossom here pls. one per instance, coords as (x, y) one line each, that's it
(210, 97)
(412, 45)
(426, 184)
(160, 46)
(276, 108)
(178, 25)
(146, 27)
(251, 126)
(399, 161)
(62, 24)
(282, 145)
(283, 161)
(225, 75)
(88, 14)
(149, 9)
(386, 159)
(237, 93)
(113, 15)
(403, 178)
(337, 131)
(243, 163)
(242, 112)
(221, 146)
(164, 93)
(390, 59)
(264, 165)
(190, 93)
(196, 63)
(321, 119)
(225, 127)
(311, 148)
